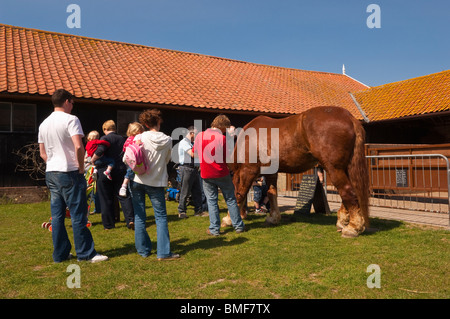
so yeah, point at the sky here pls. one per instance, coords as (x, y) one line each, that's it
(412, 38)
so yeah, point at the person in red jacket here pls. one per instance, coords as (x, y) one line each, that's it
(93, 142)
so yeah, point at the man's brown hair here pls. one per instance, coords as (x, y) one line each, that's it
(60, 96)
(221, 122)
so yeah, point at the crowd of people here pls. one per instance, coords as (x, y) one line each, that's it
(201, 175)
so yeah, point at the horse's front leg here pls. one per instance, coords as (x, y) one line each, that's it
(242, 181)
(226, 221)
(274, 216)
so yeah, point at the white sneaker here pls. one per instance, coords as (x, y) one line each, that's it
(259, 212)
(123, 192)
(97, 258)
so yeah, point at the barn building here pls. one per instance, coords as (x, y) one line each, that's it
(116, 80)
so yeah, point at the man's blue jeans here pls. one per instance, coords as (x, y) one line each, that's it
(211, 188)
(68, 189)
(142, 240)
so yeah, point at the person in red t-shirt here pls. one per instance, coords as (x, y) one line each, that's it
(210, 148)
(92, 143)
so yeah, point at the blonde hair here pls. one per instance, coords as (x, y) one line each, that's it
(109, 126)
(221, 121)
(93, 135)
(134, 129)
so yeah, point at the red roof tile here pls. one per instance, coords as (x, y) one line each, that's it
(39, 62)
(417, 96)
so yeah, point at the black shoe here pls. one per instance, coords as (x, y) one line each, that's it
(209, 233)
(240, 231)
(201, 214)
(182, 215)
(171, 257)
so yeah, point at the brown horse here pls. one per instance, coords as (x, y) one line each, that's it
(327, 135)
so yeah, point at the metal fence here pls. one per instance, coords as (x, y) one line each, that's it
(414, 182)
(418, 182)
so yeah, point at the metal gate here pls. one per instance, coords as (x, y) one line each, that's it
(412, 181)
(415, 182)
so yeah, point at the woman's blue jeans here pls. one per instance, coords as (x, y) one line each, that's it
(142, 240)
(211, 188)
(68, 189)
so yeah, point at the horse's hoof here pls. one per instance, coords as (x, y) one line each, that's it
(348, 232)
(268, 224)
(225, 222)
(271, 222)
(340, 226)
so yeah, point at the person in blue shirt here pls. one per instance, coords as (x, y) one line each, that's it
(190, 177)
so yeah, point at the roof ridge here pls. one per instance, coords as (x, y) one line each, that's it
(173, 50)
(401, 81)
(357, 81)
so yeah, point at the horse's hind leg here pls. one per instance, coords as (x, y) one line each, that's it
(274, 216)
(349, 215)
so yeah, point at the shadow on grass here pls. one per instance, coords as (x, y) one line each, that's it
(126, 249)
(376, 224)
(178, 246)
(253, 222)
(209, 243)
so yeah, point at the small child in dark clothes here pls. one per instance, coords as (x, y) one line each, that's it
(260, 197)
(91, 147)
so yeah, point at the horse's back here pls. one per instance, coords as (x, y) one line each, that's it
(304, 139)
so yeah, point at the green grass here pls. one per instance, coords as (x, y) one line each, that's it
(303, 257)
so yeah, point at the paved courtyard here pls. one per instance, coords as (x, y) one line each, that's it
(287, 204)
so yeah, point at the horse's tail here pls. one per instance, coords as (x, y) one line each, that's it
(358, 171)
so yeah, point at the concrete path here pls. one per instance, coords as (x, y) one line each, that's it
(441, 220)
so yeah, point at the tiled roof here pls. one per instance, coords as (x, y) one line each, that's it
(417, 96)
(39, 62)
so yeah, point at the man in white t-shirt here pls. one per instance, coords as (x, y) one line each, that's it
(61, 147)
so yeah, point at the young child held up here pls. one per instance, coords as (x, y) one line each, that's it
(93, 142)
